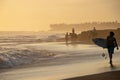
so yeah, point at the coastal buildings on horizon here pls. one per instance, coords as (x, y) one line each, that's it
(61, 27)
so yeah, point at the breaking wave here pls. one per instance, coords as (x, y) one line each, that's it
(10, 57)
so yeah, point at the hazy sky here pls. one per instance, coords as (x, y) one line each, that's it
(35, 15)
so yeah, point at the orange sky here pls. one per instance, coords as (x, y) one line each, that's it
(36, 15)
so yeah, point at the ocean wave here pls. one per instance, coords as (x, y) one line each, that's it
(10, 57)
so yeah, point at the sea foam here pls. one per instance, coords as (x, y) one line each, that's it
(10, 57)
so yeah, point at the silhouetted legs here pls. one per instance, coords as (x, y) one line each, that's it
(110, 51)
(110, 56)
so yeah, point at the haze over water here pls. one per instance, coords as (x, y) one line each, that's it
(37, 15)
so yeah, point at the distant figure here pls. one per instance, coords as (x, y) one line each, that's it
(94, 33)
(111, 44)
(66, 37)
(73, 36)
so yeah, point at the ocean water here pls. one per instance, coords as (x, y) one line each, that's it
(18, 50)
(13, 54)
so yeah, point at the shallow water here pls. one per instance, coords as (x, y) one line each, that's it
(71, 49)
(17, 54)
(62, 46)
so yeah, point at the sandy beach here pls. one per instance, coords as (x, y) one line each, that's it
(113, 75)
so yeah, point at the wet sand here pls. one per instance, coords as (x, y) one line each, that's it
(114, 75)
(61, 72)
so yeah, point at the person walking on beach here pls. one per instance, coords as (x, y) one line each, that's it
(111, 44)
(66, 37)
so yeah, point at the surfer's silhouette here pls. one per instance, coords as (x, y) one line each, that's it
(111, 44)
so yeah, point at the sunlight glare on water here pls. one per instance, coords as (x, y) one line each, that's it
(60, 46)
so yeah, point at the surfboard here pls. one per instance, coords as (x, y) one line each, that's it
(101, 42)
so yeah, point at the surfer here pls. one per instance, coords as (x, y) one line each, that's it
(111, 44)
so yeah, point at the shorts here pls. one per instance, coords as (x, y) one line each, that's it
(111, 50)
